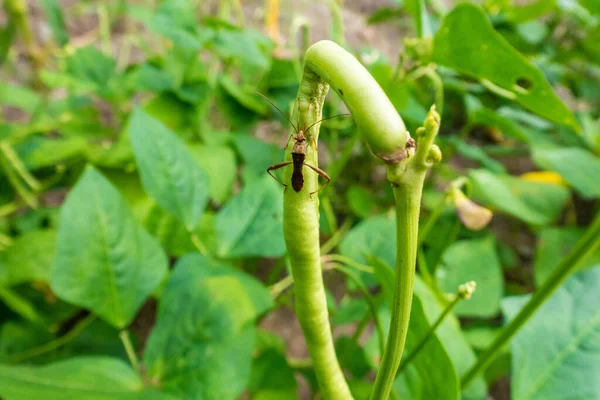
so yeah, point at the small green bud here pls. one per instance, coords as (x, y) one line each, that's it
(466, 290)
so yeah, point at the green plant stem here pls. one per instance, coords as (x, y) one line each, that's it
(13, 158)
(415, 351)
(124, 336)
(56, 343)
(370, 301)
(198, 244)
(588, 243)
(20, 305)
(407, 179)
(329, 214)
(348, 261)
(279, 287)
(360, 328)
(337, 237)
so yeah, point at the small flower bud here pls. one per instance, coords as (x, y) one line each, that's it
(466, 290)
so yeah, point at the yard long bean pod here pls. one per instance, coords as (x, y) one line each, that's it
(326, 66)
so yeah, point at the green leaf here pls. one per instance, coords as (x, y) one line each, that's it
(20, 97)
(251, 224)
(29, 258)
(104, 261)
(39, 152)
(85, 378)
(257, 156)
(533, 202)
(272, 378)
(89, 66)
(566, 363)
(579, 167)
(531, 11)
(431, 374)
(468, 43)
(553, 245)
(176, 20)
(55, 18)
(220, 164)
(201, 346)
(375, 236)
(362, 201)
(169, 172)
(477, 154)
(473, 260)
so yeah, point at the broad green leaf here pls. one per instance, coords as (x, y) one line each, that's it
(176, 20)
(566, 363)
(257, 156)
(431, 374)
(473, 260)
(592, 6)
(39, 152)
(29, 258)
(19, 337)
(579, 167)
(362, 201)
(201, 346)
(468, 43)
(104, 261)
(533, 202)
(375, 236)
(169, 172)
(84, 378)
(169, 109)
(171, 233)
(477, 154)
(90, 68)
(553, 245)
(250, 49)
(244, 95)
(55, 18)
(251, 223)
(450, 334)
(150, 78)
(272, 378)
(532, 10)
(220, 164)
(20, 97)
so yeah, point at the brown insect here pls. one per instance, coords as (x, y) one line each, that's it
(301, 141)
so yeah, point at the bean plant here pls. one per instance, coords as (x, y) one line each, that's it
(432, 231)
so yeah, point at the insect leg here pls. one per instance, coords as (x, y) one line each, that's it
(276, 167)
(323, 174)
(288, 141)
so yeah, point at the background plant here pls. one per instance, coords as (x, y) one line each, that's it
(141, 246)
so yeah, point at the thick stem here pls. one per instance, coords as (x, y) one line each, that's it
(407, 179)
(408, 201)
(582, 250)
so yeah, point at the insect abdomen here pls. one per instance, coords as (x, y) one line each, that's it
(297, 176)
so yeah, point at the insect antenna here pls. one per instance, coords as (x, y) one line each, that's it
(324, 119)
(281, 112)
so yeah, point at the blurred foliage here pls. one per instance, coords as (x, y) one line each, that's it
(134, 200)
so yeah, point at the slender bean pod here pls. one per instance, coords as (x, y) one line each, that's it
(328, 65)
